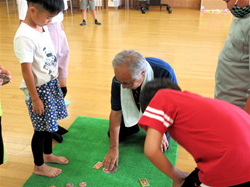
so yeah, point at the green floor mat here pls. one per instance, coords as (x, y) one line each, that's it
(86, 143)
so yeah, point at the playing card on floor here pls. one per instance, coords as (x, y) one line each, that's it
(144, 182)
(110, 171)
(98, 165)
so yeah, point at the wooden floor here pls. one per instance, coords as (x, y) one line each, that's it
(188, 40)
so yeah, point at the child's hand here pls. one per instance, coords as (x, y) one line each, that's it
(1, 82)
(164, 143)
(38, 107)
(5, 72)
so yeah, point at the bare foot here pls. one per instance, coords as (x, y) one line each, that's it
(55, 159)
(46, 171)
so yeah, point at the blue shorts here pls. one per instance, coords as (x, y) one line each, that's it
(54, 107)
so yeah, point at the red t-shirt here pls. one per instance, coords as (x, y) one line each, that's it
(214, 132)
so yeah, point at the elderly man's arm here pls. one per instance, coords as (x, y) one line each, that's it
(112, 156)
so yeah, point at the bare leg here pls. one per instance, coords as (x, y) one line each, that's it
(47, 171)
(84, 14)
(94, 14)
(62, 82)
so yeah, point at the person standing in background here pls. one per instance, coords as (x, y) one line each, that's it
(83, 5)
(232, 77)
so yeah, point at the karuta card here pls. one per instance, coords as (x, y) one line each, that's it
(110, 171)
(144, 182)
(98, 165)
(82, 184)
(70, 184)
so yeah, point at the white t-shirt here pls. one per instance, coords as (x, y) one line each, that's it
(34, 47)
(23, 7)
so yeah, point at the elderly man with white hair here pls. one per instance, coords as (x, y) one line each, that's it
(132, 70)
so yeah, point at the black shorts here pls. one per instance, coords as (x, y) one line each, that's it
(193, 180)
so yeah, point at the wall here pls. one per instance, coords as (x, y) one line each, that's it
(213, 4)
(189, 4)
(186, 4)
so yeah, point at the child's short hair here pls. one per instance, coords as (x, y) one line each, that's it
(52, 6)
(151, 88)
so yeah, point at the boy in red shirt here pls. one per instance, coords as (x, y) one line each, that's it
(214, 132)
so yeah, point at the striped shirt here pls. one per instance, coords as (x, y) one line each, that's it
(214, 132)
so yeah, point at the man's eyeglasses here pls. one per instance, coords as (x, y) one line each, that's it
(127, 84)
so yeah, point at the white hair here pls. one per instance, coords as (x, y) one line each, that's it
(135, 61)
